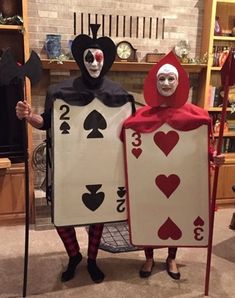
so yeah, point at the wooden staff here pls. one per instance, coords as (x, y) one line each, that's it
(110, 25)
(163, 28)
(130, 26)
(74, 23)
(9, 71)
(81, 22)
(89, 22)
(27, 204)
(137, 27)
(156, 35)
(117, 24)
(124, 26)
(150, 27)
(143, 27)
(103, 24)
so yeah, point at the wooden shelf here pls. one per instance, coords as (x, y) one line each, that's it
(117, 66)
(225, 1)
(224, 38)
(218, 109)
(229, 158)
(216, 68)
(228, 134)
(5, 163)
(11, 27)
(224, 9)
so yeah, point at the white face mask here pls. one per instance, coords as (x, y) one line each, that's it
(167, 80)
(93, 60)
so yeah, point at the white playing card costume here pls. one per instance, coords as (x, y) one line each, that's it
(88, 166)
(167, 167)
(168, 193)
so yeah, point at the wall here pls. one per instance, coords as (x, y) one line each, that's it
(183, 21)
(171, 21)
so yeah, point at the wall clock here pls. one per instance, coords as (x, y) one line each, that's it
(125, 52)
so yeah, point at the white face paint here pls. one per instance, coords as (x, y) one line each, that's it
(167, 80)
(93, 60)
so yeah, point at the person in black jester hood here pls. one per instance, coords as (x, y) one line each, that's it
(94, 57)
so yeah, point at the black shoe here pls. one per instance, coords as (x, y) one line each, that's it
(95, 273)
(145, 274)
(232, 223)
(72, 264)
(174, 275)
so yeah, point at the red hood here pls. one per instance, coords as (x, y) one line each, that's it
(148, 119)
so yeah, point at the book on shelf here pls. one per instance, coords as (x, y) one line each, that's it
(220, 54)
(217, 97)
(231, 125)
(228, 145)
(214, 97)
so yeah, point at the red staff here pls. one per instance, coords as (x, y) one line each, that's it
(227, 79)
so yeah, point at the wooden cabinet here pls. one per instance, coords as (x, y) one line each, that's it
(225, 195)
(217, 39)
(14, 35)
(12, 193)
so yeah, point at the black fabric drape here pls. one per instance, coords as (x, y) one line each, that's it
(11, 128)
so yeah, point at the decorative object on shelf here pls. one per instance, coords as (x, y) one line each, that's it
(125, 52)
(217, 126)
(217, 29)
(226, 32)
(223, 56)
(220, 54)
(231, 98)
(154, 57)
(182, 50)
(60, 60)
(53, 45)
(204, 58)
(64, 55)
(199, 60)
(15, 20)
(69, 53)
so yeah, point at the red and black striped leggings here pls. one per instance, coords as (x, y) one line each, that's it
(68, 236)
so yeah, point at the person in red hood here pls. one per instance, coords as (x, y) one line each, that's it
(166, 91)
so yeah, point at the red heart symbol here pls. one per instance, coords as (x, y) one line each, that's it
(169, 230)
(136, 152)
(198, 221)
(166, 141)
(167, 184)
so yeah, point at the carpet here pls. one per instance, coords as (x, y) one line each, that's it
(47, 259)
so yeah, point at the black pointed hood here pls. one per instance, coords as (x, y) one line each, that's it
(105, 44)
